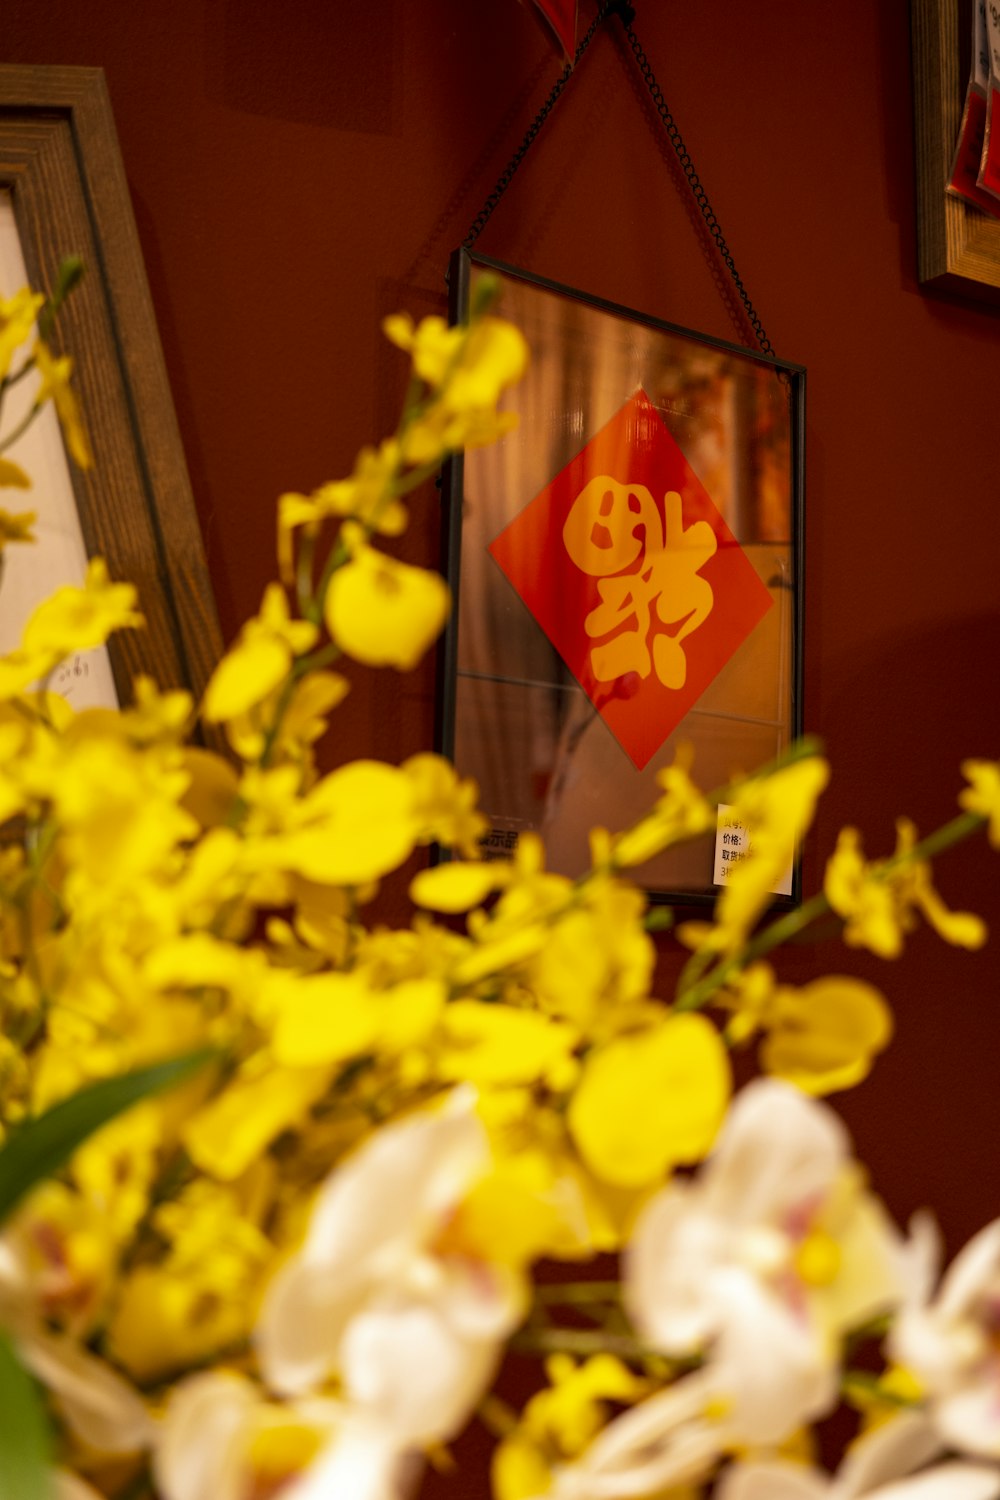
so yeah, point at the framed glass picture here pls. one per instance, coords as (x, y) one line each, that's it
(63, 192)
(627, 570)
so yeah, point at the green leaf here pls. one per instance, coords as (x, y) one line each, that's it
(658, 919)
(41, 1146)
(71, 270)
(25, 1449)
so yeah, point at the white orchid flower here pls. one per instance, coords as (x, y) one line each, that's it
(883, 1465)
(380, 1295)
(951, 1341)
(667, 1441)
(764, 1259)
(222, 1440)
(99, 1405)
(67, 1486)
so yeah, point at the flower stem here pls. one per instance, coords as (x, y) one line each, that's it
(573, 1293)
(788, 926)
(794, 922)
(20, 429)
(584, 1341)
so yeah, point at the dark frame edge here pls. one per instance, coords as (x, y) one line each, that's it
(459, 281)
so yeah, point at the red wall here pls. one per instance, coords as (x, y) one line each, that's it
(299, 170)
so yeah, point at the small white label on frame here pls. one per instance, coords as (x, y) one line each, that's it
(733, 842)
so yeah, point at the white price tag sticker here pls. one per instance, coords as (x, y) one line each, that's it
(733, 843)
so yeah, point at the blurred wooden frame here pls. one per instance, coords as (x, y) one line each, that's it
(958, 247)
(59, 160)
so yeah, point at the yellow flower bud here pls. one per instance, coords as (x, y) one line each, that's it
(383, 612)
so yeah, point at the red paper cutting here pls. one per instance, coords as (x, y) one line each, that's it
(631, 571)
(561, 16)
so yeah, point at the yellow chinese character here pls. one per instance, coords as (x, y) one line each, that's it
(613, 527)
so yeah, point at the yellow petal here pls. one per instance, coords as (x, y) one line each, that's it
(12, 476)
(495, 356)
(826, 1034)
(326, 1018)
(363, 825)
(227, 1137)
(408, 1013)
(982, 795)
(646, 1103)
(519, 1470)
(497, 1044)
(383, 612)
(245, 676)
(457, 887)
(213, 786)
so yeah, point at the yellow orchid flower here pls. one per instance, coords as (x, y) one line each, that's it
(445, 804)
(561, 1421)
(494, 356)
(648, 1102)
(467, 370)
(367, 496)
(681, 812)
(17, 318)
(13, 477)
(982, 795)
(431, 344)
(597, 963)
(383, 612)
(228, 1135)
(55, 377)
(822, 1037)
(825, 1036)
(260, 659)
(458, 886)
(778, 810)
(441, 431)
(15, 527)
(75, 619)
(879, 902)
(304, 721)
(352, 827)
(499, 1044)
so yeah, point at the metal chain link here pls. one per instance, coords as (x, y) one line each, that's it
(504, 180)
(697, 189)
(626, 14)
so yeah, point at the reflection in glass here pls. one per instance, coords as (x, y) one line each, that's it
(523, 727)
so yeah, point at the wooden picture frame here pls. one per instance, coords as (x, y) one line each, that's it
(627, 567)
(61, 164)
(958, 247)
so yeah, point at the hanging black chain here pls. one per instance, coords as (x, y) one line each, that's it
(695, 184)
(626, 14)
(481, 220)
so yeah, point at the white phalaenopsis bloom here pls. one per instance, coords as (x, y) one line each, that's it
(668, 1441)
(99, 1405)
(385, 1295)
(764, 1259)
(69, 1487)
(222, 1440)
(951, 1341)
(883, 1465)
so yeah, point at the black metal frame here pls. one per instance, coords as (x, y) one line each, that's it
(460, 273)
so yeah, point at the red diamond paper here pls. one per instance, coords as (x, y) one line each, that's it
(628, 567)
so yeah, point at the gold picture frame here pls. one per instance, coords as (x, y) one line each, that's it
(958, 247)
(60, 163)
